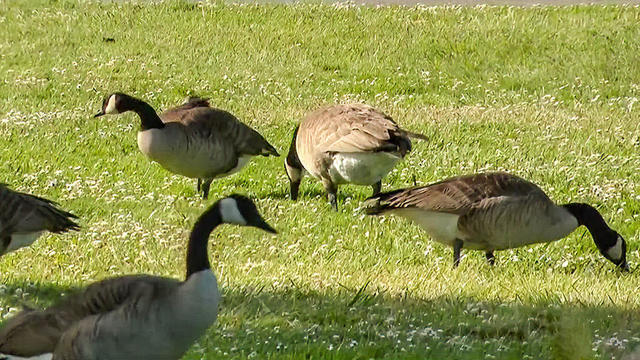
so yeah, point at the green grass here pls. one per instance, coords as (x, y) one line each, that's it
(546, 93)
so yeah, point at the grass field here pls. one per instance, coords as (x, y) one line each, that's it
(550, 94)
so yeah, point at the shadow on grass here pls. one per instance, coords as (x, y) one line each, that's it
(33, 295)
(367, 324)
(281, 194)
(361, 324)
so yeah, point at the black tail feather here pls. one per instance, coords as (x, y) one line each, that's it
(417, 136)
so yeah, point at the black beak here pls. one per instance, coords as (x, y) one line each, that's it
(624, 266)
(99, 114)
(264, 226)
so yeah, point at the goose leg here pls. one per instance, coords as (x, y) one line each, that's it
(333, 200)
(376, 188)
(205, 188)
(457, 246)
(490, 258)
(199, 184)
(332, 193)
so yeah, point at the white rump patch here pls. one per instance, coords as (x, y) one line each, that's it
(362, 168)
(20, 240)
(47, 356)
(230, 212)
(242, 162)
(111, 106)
(615, 252)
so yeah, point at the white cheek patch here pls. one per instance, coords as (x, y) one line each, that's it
(615, 252)
(294, 173)
(111, 106)
(230, 212)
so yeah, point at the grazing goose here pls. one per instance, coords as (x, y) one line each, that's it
(137, 316)
(346, 144)
(193, 140)
(24, 217)
(495, 211)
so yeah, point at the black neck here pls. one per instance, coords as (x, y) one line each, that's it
(292, 156)
(197, 254)
(148, 116)
(588, 216)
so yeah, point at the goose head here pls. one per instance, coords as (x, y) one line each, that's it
(613, 247)
(610, 244)
(117, 103)
(239, 210)
(234, 209)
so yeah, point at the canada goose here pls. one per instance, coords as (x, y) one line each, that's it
(346, 144)
(24, 217)
(135, 316)
(495, 211)
(194, 139)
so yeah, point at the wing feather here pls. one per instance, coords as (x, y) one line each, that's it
(352, 128)
(219, 127)
(458, 195)
(20, 212)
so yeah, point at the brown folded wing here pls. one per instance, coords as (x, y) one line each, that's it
(459, 195)
(352, 128)
(205, 122)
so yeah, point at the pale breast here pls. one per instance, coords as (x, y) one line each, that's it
(195, 306)
(187, 155)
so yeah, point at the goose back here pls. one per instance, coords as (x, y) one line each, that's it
(201, 120)
(492, 211)
(34, 332)
(161, 316)
(348, 129)
(459, 195)
(202, 142)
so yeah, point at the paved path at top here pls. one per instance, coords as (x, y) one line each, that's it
(497, 2)
(470, 2)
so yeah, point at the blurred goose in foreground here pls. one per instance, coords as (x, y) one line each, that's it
(495, 211)
(137, 316)
(346, 144)
(194, 139)
(24, 217)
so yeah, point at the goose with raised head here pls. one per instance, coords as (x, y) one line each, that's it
(194, 139)
(24, 217)
(140, 317)
(346, 144)
(495, 211)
